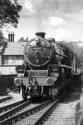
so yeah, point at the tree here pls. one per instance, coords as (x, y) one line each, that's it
(1, 36)
(22, 39)
(9, 12)
(26, 40)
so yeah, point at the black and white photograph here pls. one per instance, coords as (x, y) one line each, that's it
(41, 62)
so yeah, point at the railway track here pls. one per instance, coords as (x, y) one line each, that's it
(44, 115)
(13, 109)
(40, 116)
(21, 111)
(28, 111)
(10, 106)
(5, 99)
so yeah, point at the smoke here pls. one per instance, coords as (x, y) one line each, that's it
(55, 17)
(16, 96)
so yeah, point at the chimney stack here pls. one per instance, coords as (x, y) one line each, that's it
(11, 37)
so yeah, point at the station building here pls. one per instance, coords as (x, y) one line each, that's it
(11, 55)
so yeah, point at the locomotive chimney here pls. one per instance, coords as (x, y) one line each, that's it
(40, 34)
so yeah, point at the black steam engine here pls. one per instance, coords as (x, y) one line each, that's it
(46, 66)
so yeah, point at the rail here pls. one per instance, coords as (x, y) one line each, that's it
(16, 117)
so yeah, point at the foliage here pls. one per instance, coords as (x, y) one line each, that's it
(1, 36)
(9, 12)
(22, 39)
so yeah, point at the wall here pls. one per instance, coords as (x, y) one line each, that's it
(6, 81)
(12, 59)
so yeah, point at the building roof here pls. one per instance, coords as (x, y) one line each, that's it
(14, 48)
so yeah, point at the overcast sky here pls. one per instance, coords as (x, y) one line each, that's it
(61, 19)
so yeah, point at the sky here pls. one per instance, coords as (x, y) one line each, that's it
(60, 19)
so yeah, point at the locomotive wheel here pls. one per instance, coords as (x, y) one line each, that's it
(24, 95)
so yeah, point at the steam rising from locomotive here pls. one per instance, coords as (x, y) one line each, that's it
(47, 64)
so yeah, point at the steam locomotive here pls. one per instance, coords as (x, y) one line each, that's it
(46, 66)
